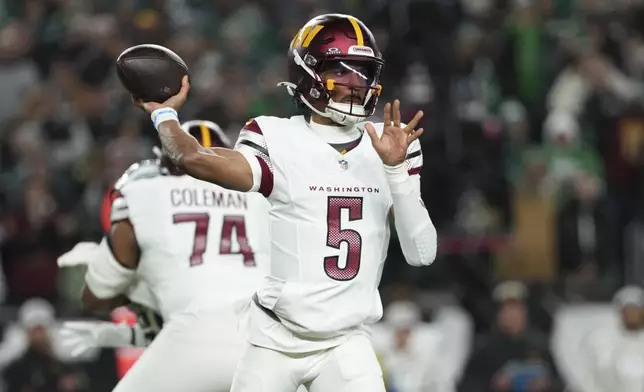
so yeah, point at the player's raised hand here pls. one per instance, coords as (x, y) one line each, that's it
(392, 145)
(175, 102)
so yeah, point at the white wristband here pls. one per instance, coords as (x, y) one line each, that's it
(398, 178)
(162, 115)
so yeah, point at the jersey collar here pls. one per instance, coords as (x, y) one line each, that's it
(335, 134)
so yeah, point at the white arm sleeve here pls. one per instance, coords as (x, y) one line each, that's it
(79, 336)
(106, 277)
(113, 335)
(415, 229)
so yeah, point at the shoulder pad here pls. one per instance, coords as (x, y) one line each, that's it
(148, 168)
(268, 118)
(264, 122)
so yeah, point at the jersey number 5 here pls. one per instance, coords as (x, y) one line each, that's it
(336, 236)
(200, 241)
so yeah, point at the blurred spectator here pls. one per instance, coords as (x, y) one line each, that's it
(476, 142)
(526, 58)
(517, 125)
(55, 125)
(39, 369)
(126, 148)
(588, 242)
(18, 74)
(419, 355)
(513, 357)
(550, 169)
(592, 74)
(477, 90)
(613, 355)
(413, 348)
(35, 236)
(475, 216)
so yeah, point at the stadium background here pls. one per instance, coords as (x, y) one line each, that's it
(533, 158)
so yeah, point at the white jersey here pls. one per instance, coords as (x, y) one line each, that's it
(203, 248)
(329, 233)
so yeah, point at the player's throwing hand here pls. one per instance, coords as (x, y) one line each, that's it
(392, 145)
(175, 102)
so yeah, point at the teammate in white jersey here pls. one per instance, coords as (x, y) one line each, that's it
(332, 190)
(201, 249)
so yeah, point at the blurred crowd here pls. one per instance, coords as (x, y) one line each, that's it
(534, 157)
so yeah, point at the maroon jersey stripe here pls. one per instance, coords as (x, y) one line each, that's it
(252, 126)
(266, 184)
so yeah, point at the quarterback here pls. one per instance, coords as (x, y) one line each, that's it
(192, 251)
(333, 180)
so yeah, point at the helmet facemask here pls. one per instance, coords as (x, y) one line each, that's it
(361, 79)
(360, 74)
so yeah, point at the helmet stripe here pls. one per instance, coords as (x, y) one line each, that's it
(205, 136)
(300, 36)
(311, 35)
(358, 31)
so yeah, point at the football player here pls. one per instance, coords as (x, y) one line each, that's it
(202, 251)
(333, 180)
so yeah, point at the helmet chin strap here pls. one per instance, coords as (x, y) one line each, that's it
(334, 112)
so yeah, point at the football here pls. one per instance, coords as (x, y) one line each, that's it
(151, 73)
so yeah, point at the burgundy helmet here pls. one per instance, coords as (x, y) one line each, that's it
(344, 45)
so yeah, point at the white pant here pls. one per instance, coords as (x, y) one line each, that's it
(191, 354)
(350, 367)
